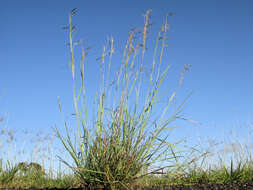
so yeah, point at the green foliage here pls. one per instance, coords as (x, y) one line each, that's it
(31, 168)
(233, 174)
(6, 176)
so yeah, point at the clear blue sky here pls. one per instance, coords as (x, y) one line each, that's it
(214, 36)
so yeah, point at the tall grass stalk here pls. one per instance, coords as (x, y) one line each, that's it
(121, 149)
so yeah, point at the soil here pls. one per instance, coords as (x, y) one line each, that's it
(246, 185)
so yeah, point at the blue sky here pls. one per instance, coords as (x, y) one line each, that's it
(214, 36)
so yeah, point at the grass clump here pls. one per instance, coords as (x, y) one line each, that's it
(121, 150)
